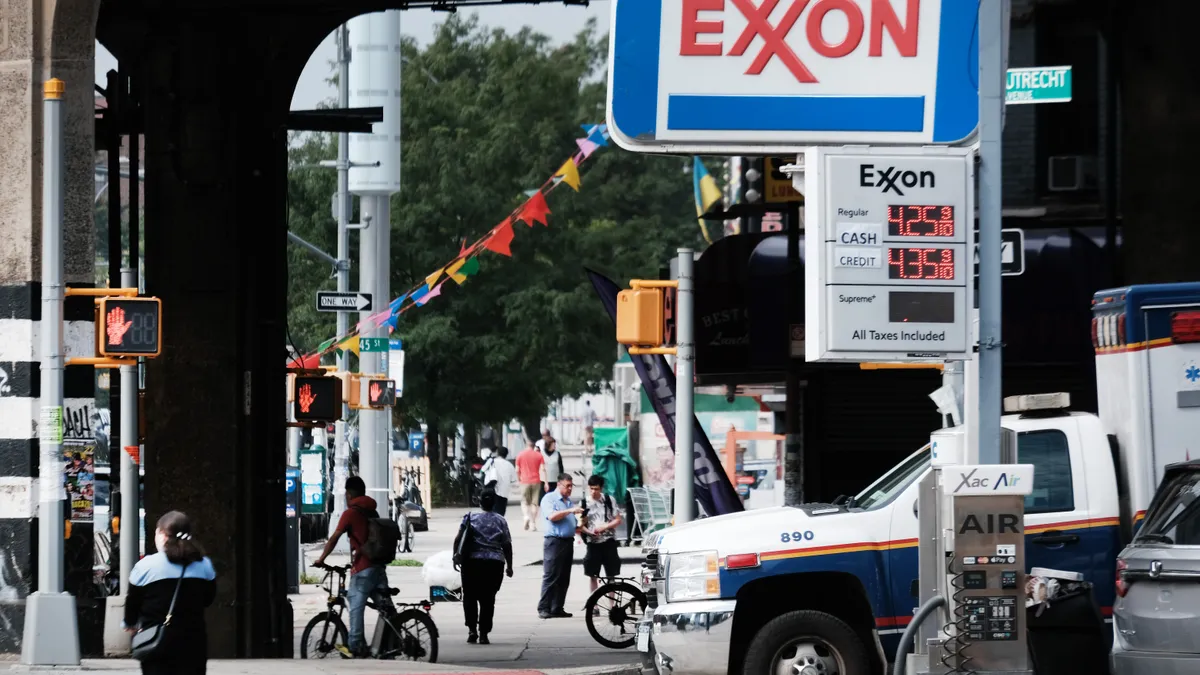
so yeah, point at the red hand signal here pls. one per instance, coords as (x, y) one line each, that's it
(306, 398)
(116, 326)
(376, 390)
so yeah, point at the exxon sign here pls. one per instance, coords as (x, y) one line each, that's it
(760, 76)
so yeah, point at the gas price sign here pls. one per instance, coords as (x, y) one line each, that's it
(892, 228)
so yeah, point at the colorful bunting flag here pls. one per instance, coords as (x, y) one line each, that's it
(535, 210)
(432, 278)
(393, 322)
(397, 303)
(501, 239)
(586, 147)
(419, 293)
(430, 295)
(321, 348)
(570, 174)
(453, 271)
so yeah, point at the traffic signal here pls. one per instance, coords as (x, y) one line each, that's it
(129, 327)
(640, 317)
(381, 393)
(317, 398)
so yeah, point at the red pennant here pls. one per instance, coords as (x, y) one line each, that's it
(535, 210)
(501, 239)
(462, 249)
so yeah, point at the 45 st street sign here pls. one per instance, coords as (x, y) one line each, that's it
(762, 76)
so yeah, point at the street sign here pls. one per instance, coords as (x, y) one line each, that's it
(367, 344)
(887, 277)
(1012, 258)
(395, 364)
(779, 184)
(746, 77)
(330, 301)
(1038, 85)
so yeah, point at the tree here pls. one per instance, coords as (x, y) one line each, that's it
(486, 116)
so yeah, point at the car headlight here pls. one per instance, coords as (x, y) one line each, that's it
(693, 576)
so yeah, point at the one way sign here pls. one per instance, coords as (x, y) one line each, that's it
(1012, 247)
(330, 301)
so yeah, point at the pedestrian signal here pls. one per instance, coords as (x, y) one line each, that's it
(640, 317)
(317, 399)
(381, 393)
(128, 327)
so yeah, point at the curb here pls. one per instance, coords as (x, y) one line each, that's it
(579, 561)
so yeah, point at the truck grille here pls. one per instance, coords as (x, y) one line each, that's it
(649, 580)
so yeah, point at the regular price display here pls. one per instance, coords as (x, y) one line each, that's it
(920, 221)
(921, 263)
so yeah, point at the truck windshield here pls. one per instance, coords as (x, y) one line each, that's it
(894, 482)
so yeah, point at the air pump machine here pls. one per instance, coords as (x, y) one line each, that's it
(971, 585)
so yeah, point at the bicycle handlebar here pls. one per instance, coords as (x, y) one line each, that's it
(331, 568)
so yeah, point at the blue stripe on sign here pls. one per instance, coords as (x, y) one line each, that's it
(956, 108)
(635, 67)
(797, 113)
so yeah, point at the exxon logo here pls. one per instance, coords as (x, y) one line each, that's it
(703, 26)
(892, 179)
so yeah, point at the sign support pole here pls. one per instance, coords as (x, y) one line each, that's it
(793, 452)
(129, 468)
(341, 442)
(51, 636)
(685, 364)
(991, 111)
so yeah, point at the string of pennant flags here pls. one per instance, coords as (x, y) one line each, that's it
(498, 240)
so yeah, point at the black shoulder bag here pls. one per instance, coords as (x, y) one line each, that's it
(148, 642)
(466, 542)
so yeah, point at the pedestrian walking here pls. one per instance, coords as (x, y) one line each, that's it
(369, 547)
(553, 459)
(600, 521)
(483, 549)
(499, 475)
(178, 582)
(529, 472)
(560, 524)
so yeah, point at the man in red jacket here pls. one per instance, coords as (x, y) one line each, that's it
(365, 577)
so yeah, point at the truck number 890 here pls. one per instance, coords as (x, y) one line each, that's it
(806, 535)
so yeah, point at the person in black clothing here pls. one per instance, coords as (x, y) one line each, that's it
(151, 586)
(488, 557)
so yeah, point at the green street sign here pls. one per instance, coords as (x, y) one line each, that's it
(1038, 85)
(372, 344)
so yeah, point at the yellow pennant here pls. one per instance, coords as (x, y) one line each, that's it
(569, 173)
(431, 280)
(452, 271)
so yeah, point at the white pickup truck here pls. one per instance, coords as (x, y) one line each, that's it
(827, 589)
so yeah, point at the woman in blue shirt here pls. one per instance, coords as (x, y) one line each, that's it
(489, 550)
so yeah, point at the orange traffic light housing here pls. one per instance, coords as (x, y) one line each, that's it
(381, 393)
(640, 317)
(316, 399)
(128, 327)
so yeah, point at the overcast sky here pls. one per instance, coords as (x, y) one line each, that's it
(560, 22)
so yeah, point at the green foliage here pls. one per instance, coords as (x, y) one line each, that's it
(488, 115)
(406, 562)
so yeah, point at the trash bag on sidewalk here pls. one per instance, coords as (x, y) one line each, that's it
(439, 571)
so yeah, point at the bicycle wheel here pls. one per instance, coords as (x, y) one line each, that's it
(329, 633)
(413, 637)
(613, 612)
(404, 543)
(408, 536)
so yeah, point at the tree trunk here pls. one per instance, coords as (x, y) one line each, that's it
(433, 443)
(1160, 131)
(471, 440)
(532, 432)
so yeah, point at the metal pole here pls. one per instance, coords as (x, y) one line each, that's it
(368, 362)
(341, 466)
(51, 630)
(991, 110)
(382, 290)
(685, 364)
(793, 444)
(129, 468)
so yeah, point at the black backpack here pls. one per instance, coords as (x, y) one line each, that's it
(383, 534)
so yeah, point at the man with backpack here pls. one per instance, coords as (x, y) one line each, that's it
(372, 546)
(600, 521)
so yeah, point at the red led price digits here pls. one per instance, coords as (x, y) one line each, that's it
(921, 263)
(920, 221)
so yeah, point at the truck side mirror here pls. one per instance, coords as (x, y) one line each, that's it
(915, 502)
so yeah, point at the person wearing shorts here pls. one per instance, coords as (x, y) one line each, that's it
(529, 475)
(600, 520)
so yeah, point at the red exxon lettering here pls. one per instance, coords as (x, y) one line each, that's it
(774, 37)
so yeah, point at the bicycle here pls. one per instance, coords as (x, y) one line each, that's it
(619, 604)
(397, 633)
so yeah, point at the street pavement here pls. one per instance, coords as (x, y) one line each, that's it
(520, 640)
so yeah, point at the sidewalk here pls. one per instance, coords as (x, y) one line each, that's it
(520, 640)
(297, 667)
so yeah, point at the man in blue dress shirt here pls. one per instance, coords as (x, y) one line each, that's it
(559, 523)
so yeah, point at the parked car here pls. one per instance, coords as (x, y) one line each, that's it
(1158, 583)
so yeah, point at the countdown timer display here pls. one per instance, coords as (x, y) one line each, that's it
(889, 235)
(129, 327)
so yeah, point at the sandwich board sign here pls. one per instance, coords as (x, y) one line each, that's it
(775, 76)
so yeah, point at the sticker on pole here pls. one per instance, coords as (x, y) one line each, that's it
(50, 426)
(759, 76)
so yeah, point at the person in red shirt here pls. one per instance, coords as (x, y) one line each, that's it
(529, 474)
(365, 576)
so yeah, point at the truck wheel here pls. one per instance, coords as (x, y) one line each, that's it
(806, 643)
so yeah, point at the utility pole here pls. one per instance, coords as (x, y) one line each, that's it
(51, 635)
(341, 464)
(685, 368)
(376, 72)
(129, 467)
(991, 120)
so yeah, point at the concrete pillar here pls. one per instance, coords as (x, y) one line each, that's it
(40, 39)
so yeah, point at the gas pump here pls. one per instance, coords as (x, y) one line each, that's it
(972, 564)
